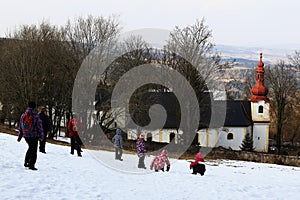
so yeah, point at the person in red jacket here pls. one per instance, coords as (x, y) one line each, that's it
(198, 165)
(76, 142)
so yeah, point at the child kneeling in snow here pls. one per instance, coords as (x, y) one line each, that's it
(198, 165)
(160, 160)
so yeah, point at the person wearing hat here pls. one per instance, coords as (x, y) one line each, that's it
(160, 161)
(141, 151)
(118, 144)
(46, 127)
(198, 165)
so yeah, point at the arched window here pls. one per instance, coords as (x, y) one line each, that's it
(230, 136)
(172, 138)
(149, 137)
(260, 109)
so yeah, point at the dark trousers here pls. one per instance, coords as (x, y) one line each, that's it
(141, 162)
(75, 145)
(43, 144)
(31, 154)
(199, 168)
(118, 152)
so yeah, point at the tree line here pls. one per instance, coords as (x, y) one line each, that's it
(40, 63)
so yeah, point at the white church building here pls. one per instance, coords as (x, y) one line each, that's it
(242, 118)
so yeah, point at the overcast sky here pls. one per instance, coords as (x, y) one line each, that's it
(233, 22)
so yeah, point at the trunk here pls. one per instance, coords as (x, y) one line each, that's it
(279, 129)
(51, 121)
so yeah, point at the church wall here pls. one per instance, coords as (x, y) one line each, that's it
(238, 134)
(208, 137)
(264, 116)
(159, 135)
(261, 137)
(222, 137)
(227, 137)
(261, 125)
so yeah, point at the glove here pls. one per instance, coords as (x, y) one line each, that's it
(168, 168)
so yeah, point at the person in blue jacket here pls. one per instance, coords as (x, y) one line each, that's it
(118, 144)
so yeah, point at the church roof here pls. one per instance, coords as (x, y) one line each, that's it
(259, 90)
(238, 113)
(168, 100)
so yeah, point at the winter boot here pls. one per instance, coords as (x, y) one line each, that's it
(33, 168)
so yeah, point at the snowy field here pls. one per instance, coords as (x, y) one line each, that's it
(61, 175)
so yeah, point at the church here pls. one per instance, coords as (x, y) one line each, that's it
(242, 118)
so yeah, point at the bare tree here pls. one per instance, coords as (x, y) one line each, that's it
(90, 40)
(283, 84)
(295, 59)
(248, 84)
(35, 61)
(291, 127)
(190, 50)
(85, 34)
(136, 52)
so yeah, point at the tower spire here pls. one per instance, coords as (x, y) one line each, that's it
(259, 91)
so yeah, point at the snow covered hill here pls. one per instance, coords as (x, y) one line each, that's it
(61, 175)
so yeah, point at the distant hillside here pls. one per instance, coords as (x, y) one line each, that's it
(242, 62)
(247, 55)
(245, 61)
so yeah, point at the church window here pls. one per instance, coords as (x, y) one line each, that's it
(260, 109)
(149, 136)
(172, 138)
(230, 136)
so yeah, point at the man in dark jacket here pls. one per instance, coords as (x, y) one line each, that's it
(32, 131)
(46, 127)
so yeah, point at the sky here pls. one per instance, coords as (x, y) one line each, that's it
(233, 22)
(61, 175)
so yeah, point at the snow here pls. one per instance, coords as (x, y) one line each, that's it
(61, 175)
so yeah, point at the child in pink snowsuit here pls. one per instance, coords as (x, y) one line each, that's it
(159, 161)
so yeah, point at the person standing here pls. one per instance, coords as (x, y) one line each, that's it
(46, 127)
(30, 127)
(118, 144)
(76, 142)
(141, 151)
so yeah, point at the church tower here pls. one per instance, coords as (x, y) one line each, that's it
(260, 109)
